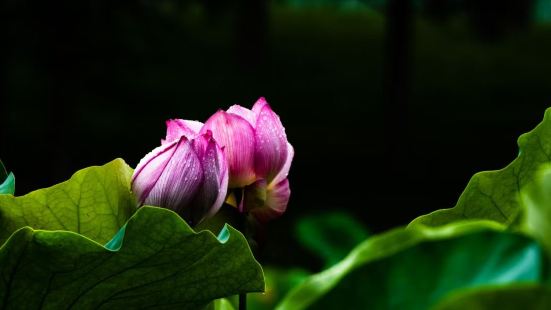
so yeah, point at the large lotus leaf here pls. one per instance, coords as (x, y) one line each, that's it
(493, 195)
(161, 263)
(414, 268)
(513, 297)
(95, 202)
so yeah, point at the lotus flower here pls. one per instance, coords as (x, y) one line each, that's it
(259, 156)
(187, 174)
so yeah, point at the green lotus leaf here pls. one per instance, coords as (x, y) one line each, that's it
(493, 195)
(95, 202)
(536, 199)
(513, 297)
(414, 268)
(158, 262)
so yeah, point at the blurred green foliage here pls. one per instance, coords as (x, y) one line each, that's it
(414, 268)
(331, 235)
(279, 281)
(220, 304)
(511, 297)
(450, 259)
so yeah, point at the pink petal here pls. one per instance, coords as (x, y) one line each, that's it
(200, 144)
(234, 134)
(179, 127)
(179, 181)
(259, 105)
(215, 184)
(271, 144)
(277, 198)
(244, 113)
(282, 174)
(150, 169)
(195, 126)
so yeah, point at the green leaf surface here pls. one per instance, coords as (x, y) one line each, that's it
(413, 268)
(330, 235)
(162, 263)
(493, 195)
(536, 200)
(95, 202)
(533, 297)
(8, 186)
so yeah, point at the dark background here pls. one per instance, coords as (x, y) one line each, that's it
(391, 105)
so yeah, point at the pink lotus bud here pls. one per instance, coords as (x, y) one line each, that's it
(189, 176)
(256, 147)
(255, 141)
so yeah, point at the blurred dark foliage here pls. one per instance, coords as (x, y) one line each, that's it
(391, 108)
(491, 19)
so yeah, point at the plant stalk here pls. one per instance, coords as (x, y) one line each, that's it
(245, 232)
(243, 301)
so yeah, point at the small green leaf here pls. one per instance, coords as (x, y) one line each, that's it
(95, 202)
(224, 234)
(8, 186)
(414, 268)
(520, 296)
(161, 264)
(493, 195)
(330, 235)
(116, 242)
